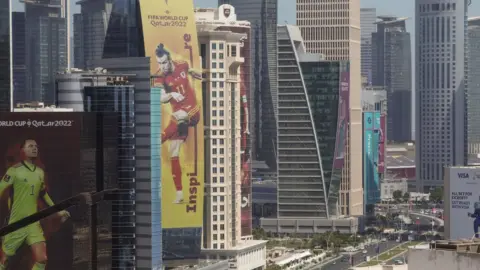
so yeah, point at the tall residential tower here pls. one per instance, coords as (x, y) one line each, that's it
(441, 31)
(332, 28)
(262, 14)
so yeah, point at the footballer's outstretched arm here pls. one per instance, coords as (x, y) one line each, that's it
(196, 74)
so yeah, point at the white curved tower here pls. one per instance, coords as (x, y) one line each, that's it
(441, 72)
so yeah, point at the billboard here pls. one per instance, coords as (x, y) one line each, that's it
(381, 143)
(462, 202)
(47, 157)
(170, 39)
(371, 137)
(343, 118)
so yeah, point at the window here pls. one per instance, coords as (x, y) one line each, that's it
(215, 237)
(214, 56)
(214, 84)
(222, 84)
(234, 50)
(220, 56)
(222, 227)
(214, 151)
(222, 75)
(221, 65)
(214, 46)
(214, 75)
(215, 246)
(214, 94)
(214, 65)
(214, 113)
(221, 46)
(221, 123)
(215, 227)
(214, 180)
(222, 179)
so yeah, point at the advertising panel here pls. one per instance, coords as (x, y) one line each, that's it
(368, 157)
(462, 201)
(381, 144)
(42, 164)
(170, 40)
(343, 117)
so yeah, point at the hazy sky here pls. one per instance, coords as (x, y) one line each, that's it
(286, 8)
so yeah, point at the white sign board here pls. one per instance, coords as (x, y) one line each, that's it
(463, 197)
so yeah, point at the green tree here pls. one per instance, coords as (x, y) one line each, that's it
(397, 195)
(437, 195)
(406, 196)
(274, 267)
(259, 234)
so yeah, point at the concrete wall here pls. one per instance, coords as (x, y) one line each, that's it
(428, 259)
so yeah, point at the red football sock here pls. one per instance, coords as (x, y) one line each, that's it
(177, 173)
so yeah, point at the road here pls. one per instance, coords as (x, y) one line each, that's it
(344, 262)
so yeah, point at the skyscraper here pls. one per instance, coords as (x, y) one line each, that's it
(5, 57)
(392, 68)
(46, 47)
(90, 28)
(313, 106)
(222, 41)
(368, 26)
(262, 14)
(441, 31)
(472, 96)
(332, 28)
(18, 53)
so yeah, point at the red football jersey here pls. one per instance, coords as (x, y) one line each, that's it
(178, 81)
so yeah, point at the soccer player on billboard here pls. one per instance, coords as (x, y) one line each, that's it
(177, 91)
(27, 181)
(476, 219)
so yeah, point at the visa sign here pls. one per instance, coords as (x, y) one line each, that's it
(463, 175)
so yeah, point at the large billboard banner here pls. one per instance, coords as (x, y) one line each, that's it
(43, 163)
(367, 157)
(170, 39)
(343, 117)
(462, 202)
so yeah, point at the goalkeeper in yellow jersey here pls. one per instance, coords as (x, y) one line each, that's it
(28, 186)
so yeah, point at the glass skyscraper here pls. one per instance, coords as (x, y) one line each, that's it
(19, 58)
(392, 68)
(5, 61)
(46, 48)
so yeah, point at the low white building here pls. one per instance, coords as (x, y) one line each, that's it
(445, 255)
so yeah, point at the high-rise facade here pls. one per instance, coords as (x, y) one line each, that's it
(313, 115)
(368, 17)
(19, 58)
(473, 94)
(332, 28)
(392, 68)
(5, 57)
(46, 47)
(441, 69)
(90, 28)
(222, 40)
(262, 14)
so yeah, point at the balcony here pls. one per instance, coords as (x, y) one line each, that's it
(234, 61)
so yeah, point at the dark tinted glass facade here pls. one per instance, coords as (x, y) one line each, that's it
(392, 68)
(119, 100)
(124, 35)
(322, 83)
(18, 50)
(5, 56)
